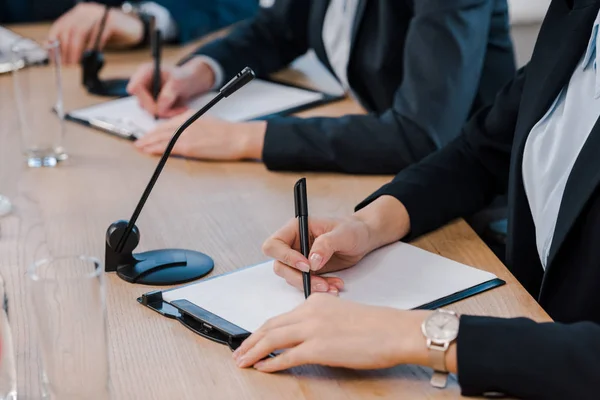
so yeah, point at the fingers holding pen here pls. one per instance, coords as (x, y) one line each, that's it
(293, 277)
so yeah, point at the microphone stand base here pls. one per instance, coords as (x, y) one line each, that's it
(166, 267)
(110, 88)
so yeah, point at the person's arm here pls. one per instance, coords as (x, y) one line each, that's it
(445, 48)
(195, 18)
(521, 358)
(467, 174)
(266, 43)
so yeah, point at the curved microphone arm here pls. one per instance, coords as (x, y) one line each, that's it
(235, 84)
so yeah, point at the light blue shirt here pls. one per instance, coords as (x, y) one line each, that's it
(556, 140)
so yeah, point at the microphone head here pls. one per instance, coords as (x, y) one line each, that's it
(239, 81)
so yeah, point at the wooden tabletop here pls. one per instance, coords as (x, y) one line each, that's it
(223, 209)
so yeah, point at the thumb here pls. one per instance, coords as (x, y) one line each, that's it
(323, 249)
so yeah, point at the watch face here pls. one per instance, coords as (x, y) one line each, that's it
(441, 326)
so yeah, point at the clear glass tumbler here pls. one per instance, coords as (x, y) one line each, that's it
(8, 370)
(68, 301)
(39, 98)
(5, 205)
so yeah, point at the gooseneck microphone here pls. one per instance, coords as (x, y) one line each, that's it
(92, 61)
(169, 266)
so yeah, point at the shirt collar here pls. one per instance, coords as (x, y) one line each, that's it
(593, 49)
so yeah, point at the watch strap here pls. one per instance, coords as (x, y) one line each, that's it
(437, 357)
(437, 360)
(439, 379)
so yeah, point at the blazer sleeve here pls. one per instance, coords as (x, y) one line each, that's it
(525, 359)
(467, 174)
(444, 54)
(266, 43)
(196, 18)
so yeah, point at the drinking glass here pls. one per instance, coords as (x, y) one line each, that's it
(5, 205)
(8, 370)
(38, 94)
(68, 302)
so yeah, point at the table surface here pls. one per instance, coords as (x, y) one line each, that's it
(223, 209)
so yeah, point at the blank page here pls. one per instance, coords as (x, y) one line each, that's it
(8, 39)
(257, 99)
(399, 275)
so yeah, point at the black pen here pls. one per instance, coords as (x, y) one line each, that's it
(301, 203)
(156, 50)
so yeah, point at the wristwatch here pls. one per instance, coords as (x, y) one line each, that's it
(135, 10)
(440, 330)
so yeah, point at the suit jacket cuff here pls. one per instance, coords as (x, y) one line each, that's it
(486, 354)
(279, 152)
(217, 51)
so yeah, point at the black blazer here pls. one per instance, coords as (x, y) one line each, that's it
(419, 67)
(520, 357)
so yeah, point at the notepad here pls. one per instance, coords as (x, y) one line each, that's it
(399, 275)
(258, 99)
(7, 40)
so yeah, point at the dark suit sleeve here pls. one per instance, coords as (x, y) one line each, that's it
(266, 43)
(524, 359)
(196, 18)
(467, 174)
(443, 58)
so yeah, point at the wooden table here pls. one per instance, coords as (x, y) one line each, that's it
(223, 209)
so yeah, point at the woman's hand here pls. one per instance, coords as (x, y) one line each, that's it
(179, 84)
(327, 330)
(338, 243)
(208, 138)
(78, 28)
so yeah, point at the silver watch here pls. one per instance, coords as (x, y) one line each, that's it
(130, 8)
(440, 330)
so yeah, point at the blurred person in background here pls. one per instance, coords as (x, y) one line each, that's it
(420, 68)
(76, 23)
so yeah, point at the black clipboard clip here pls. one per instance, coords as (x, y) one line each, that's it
(196, 319)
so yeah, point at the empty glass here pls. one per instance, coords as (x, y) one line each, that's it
(38, 93)
(5, 205)
(8, 371)
(68, 302)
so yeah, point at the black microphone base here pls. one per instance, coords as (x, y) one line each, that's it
(156, 267)
(166, 267)
(109, 88)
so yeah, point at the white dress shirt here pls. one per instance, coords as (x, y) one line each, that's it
(337, 39)
(337, 36)
(555, 142)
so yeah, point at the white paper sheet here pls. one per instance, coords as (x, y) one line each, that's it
(7, 40)
(257, 99)
(399, 275)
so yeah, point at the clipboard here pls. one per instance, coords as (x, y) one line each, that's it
(219, 329)
(133, 132)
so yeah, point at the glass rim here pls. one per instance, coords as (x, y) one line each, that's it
(33, 268)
